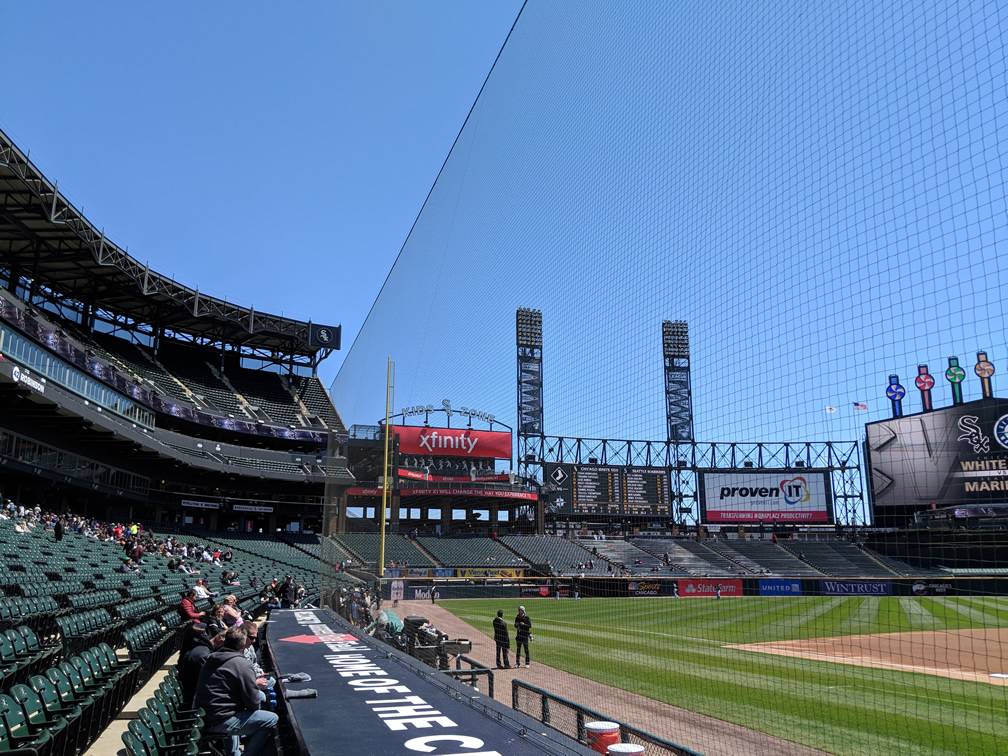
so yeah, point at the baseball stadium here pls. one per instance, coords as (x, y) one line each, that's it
(671, 422)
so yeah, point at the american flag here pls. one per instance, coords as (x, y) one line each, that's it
(860, 407)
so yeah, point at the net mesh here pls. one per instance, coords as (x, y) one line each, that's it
(819, 192)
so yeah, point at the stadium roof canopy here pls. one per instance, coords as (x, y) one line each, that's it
(46, 239)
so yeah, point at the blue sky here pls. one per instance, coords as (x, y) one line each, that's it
(271, 155)
(821, 191)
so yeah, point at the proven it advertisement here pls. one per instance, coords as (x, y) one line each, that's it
(799, 495)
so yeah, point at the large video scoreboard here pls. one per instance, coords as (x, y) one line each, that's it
(608, 489)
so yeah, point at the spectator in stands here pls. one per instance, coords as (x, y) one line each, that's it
(201, 590)
(523, 634)
(252, 654)
(502, 640)
(229, 693)
(227, 556)
(215, 619)
(191, 662)
(187, 607)
(58, 531)
(288, 592)
(231, 613)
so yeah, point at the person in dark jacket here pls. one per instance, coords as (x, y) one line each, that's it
(230, 694)
(502, 640)
(58, 530)
(523, 631)
(192, 662)
(287, 593)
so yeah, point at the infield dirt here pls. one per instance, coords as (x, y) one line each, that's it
(959, 654)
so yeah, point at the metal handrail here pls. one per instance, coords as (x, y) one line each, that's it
(583, 714)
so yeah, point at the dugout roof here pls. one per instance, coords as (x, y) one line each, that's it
(44, 237)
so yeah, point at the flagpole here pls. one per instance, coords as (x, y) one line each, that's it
(385, 470)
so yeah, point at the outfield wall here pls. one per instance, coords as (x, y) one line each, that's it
(416, 590)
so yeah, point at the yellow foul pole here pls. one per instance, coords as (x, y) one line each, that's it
(385, 468)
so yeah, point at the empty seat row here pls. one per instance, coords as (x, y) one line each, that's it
(88, 628)
(94, 599)
(151, 643)
(61, 712)
(22, 654)
(165, 725)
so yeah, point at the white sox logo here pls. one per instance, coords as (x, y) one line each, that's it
(973, 434)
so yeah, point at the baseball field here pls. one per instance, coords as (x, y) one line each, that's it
(841, 674)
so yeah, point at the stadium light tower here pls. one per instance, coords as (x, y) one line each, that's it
(529, 341)
(678, 394)
(529, 344)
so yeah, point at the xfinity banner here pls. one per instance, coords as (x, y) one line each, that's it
(453, 442)
(799, 495)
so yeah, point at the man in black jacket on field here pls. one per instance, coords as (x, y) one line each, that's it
(501, 639)
(523, 631)
(229, 692)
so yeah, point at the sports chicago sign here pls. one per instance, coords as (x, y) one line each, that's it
(453, 442)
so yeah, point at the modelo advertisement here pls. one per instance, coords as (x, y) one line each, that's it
(799, 495)
(418, 440)
(957, 455)
(707, 587)
(777, 587)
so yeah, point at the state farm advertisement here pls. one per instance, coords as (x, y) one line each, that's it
(708, 588)
(453, 442)
(797, 495)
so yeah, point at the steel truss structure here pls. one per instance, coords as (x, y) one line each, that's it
(842, 459)
(48, 246)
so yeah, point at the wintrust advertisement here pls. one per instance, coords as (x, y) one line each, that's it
(453, 442)
(799, 495)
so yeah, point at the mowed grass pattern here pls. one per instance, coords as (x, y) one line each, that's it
(673, 651)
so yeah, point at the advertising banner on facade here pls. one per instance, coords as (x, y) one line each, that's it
(191, 504)
(453, 442)
(707, 587)
(644, 588)
(780, 588)
(855, 587)
(799, 495)
(489, 572)
(929, 588)
(956, 455)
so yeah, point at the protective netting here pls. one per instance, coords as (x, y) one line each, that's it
(819, 191)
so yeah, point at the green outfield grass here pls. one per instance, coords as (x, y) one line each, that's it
(673, 651)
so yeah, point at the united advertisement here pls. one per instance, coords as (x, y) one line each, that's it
(798, 495)
(957, 455)
(420, 440)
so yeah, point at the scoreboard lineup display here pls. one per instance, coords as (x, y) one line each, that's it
(608, 489)
(645, 491)
(596, 489)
